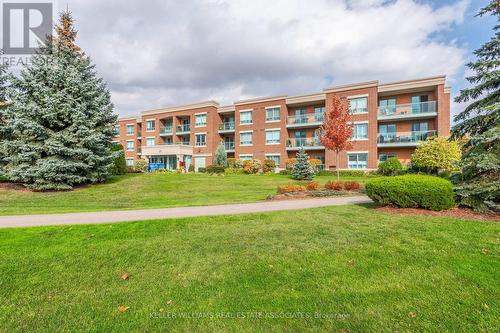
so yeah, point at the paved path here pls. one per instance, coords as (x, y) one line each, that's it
(162, 213)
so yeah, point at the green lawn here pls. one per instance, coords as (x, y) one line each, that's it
(364, 270)
(137, 191)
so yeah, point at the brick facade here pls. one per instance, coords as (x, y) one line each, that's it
(417, 109)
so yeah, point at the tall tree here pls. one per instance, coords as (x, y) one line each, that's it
(220, 158)
(302, 169)
(479, 125)
(4, 134)
(61, 118)
(336, 131)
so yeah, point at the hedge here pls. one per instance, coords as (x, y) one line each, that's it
(214, 169)
(344, 173)
(416, 191)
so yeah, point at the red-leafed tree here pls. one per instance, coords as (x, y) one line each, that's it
(336, 131)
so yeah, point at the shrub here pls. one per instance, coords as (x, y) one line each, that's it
(344, 173)
(220, 158)
(202, 170)
(191, 168)
(140, 165)
(390, 167)
(218, 169)
(268, 166)
(252, 166)
(3, 179)
(161, 170)
(285, 172)
(119, 166)
(234, 171)
(436, 153)
(412, 191)
(315, 163)
(302, 169)
(231, 162)
(334, 185)
(290, 163)
(289, 188)
(351, 186)
(313, 186)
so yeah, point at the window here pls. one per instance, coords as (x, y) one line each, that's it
(387, 106)
(130, 162)
(273, 114)
(419, 127)
(275, 158)
(200, 120)
(246, 157)
(383, 157)
(246, 117)
(300, 116)
(116, 130)
(246, 138)
(319, 113)
(130, 145)
(150, 125)
(200, 140)
(130, 129)
(150, 142)
(300, 138)
(358, 105)
(272, 137)
(419, 104)
(360, 131)
(357, 160)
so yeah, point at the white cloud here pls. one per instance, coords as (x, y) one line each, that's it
(159, 53)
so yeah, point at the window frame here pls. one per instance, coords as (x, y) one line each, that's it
(246, 112)
(357, 163)
(246, 144)
(203, 142)
(273, 130)
(354, 132)
(148, 140)
(357, 98)
(148, 121)
(130, 148)
(196, 116)
(273, 109)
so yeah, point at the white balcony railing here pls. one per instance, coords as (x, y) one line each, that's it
(404, 138)
(304, 143)
(227, 126)
(411, 109)
(304, 120)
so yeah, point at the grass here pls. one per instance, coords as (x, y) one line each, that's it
(138, 191)
(361, 269)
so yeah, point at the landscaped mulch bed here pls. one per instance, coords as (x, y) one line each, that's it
(8, 186)
(461, 213)
(312, 194)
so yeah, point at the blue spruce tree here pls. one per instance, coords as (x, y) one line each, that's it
(61, 118)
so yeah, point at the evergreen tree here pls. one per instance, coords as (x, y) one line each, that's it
(119, 166)
(4, 134)
(221, 156)
(479, 123)
(61, 118)
(302, 169)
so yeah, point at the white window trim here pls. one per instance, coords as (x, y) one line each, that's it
(246, 110)
(150, 137)
(273, 154)
(245, 155)
(361, 123)
(249, 131)
(273, 130)
(357, 96)
(200, 114)
(360, 96)
(126, 132)
(126, 146)
(200, 133)
(147, 125)
(273, 107)
(357, 152)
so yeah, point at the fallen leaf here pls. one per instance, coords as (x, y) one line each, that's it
(486, 306)
(169, 302)
(350, 262)
(412, 314)
(484, 251)
(123, 308)
(125, 276)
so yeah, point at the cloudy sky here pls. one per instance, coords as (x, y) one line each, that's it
(159, 53)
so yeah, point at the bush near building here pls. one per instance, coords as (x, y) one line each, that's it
(302, 169)
(268, 166)
(215, 169)
(436, 153)
(119, 166)
(140, 165)
(252, 166)
(414, 191)
(390, 167)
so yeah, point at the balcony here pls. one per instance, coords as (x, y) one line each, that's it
(306, 120)
(183, 129)
(408, 111)
(403, 139)
(306, 143)
(167, 130)
(229, 146)
(227, 127)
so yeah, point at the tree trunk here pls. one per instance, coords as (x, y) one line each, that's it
(337, 166)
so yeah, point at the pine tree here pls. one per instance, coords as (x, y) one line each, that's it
(61, 118)
(479, 124)
(221, 156)
(302, 169)
(4, 134)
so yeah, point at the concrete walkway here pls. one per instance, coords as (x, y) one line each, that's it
(162, 213)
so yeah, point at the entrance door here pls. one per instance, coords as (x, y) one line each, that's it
(199, 162)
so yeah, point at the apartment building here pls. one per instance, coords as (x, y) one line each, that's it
(389, 119)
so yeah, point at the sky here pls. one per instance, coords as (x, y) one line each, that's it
(159, 53)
